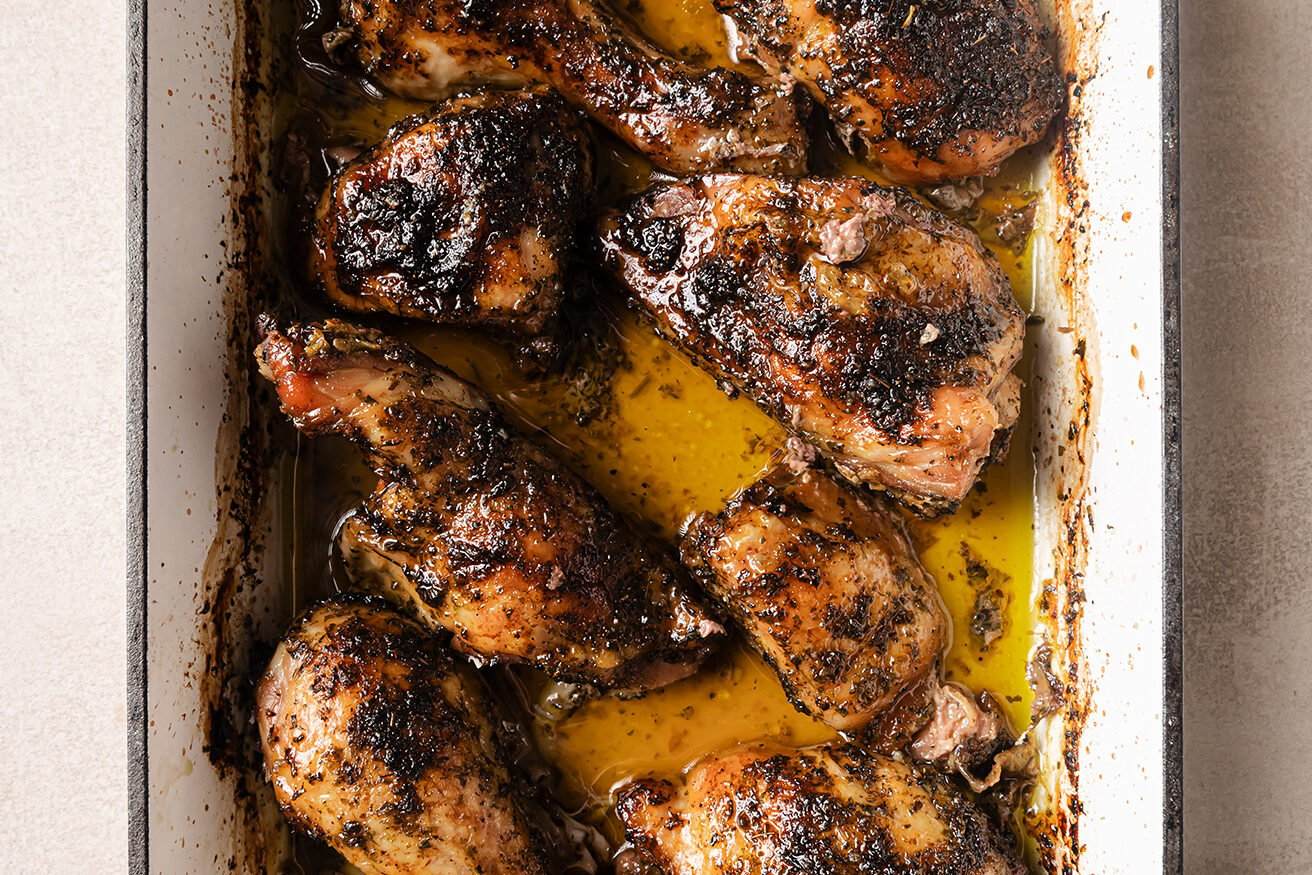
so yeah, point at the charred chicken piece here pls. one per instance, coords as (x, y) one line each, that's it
(686, 119)
(380, 744)
(827, 587)
(464, 214)
(769, 810)
(927, 91)
(874, 328)
(478, 531)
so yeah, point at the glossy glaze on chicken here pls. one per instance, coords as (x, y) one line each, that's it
(927, 90)
(382, 745)
(826, 586)
(828, 810)
(478, 531)
(464, 214)
(685, 118)
(876, 329)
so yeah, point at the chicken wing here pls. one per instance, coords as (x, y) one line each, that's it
(463, 214)
(826, 586)
(878, 330)
(927, 91)
(379, 743)
(478, 531)
(686, 119)
(770, 810)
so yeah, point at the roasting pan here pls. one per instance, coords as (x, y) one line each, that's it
(206, 511)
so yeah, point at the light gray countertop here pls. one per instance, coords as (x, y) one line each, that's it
(1247, 163)
(62, 597)
(1247, 189)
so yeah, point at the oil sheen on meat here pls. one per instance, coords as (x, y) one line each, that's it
(465, 214)
(479, 531)
(926, 90)
(685, 117)
(380, 743)
(833, 809)
(878, 330)
(664, 444)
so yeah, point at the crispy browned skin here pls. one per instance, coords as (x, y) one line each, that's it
(828, 810)
(878, 330)
(379, 743)
(464, 214)
(687, 119)
(479, 532)
(827, 587)
(926, 89)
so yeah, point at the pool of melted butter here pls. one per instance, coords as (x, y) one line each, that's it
(661, 441)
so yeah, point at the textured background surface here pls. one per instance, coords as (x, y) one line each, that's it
(62, 755)
(1248, 403)
(1248, 453)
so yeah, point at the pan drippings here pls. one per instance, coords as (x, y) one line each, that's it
(661, 441)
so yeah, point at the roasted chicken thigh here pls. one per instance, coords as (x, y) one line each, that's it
(478, 531)
(826, 586)
(381, 744)
(927, 90)
(876, 329)
(834, 809)
(464, 214)
(686, 119)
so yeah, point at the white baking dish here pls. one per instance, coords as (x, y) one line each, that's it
(205, 506)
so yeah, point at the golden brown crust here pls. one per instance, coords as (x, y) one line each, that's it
(477, 530)
(829, 810)
(377, 742)
(926, 89)
(876, 329)
(465, 214)
(685, 118)
(826, 586)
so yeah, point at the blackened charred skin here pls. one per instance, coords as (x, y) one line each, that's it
(828, 810)
(929, 89)
(875, 328)
(465, 214)
(687, 119)
(478, 531)
(657, 241)
(825, 584)
(381, 744)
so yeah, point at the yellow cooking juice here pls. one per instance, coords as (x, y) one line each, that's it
(661, 441)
